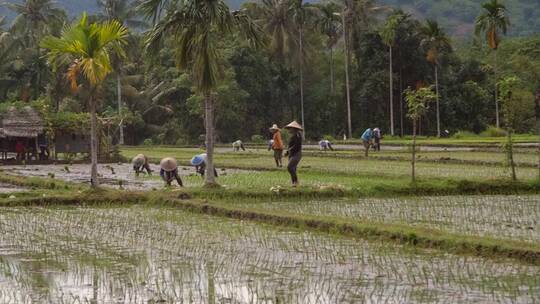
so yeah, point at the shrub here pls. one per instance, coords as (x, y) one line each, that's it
(463, 134)
(329, 138)
(148, 142)
(257, 139)
(492, 131)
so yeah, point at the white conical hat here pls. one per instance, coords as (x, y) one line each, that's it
(168, 164)
(274, 127)
(294, 125)
(139, 159)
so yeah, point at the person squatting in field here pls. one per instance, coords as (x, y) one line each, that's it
(140, 163)
(277, 145)
(325, 144)
(295, 150)
(199, 162)
(169, 171)
(377, 136)
(237, 145)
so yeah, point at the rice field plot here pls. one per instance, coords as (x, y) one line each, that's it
(507, 217)
(142, 254)
(259, 160)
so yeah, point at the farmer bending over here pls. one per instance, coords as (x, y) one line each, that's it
(325, 145)
(366, 139)
(169, 171)
(199, 162)
(237, 145)
(140, 163)
(377, 139)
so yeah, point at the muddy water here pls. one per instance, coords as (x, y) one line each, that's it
(6, 188)
(148, 255)
(111, 175)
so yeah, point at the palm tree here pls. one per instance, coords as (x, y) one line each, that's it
(88, 47)
(388, 35)
(197, 27)
(492, 22)
(435, 41)
(34, 20)
(330, 25)
(123, 12)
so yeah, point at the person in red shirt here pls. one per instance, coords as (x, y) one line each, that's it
(20, 149)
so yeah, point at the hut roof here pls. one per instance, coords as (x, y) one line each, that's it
(23, 122)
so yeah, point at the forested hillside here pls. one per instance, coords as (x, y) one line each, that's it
(457, 16)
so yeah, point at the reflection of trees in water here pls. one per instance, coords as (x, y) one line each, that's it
(141, 254)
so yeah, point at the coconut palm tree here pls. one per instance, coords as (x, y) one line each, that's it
(492, 22)
(330, 25)
(88, 48)
(388, 34)
(34, 20)
(197, 27)
(125, 13)
(435, 41)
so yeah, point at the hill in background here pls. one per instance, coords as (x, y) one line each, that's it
(457, 16)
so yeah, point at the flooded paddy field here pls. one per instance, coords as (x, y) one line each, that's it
(111, 175)
(149, 255)
(512, 217)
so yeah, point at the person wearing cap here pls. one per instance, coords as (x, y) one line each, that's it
(367, 136)
(277, 145)
(237, 145)
(199, 162)
(169, 171)
(140, 163)
(377, 139)
(325, 145)
(295, 150)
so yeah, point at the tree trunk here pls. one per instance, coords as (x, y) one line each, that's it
(347, 85)
(119, 93)
(332, 86)
(402, 131)
(497, 120)
(94, 181)
(413, 160)
(510, 152)
(437, 96)
(302, 83)
(391, 94)
(210, 178)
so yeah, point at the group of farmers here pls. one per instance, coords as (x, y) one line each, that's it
(169, 166)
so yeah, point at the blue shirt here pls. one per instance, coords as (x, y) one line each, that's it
(368, 135)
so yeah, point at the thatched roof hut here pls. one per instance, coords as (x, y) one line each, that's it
(23, 122)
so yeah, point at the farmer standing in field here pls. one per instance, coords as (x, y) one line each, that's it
(199, 162)
(237, 145)
(169, 171)
(140, 163)
(295, 150)
(367, 136)
(277, 145)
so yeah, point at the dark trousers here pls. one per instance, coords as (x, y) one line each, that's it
(377, 145)
(202, 170)
(169, 176)
(294, 160)
(278, 156)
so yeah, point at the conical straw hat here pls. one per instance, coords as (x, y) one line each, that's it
(274, 127)
(139, 159)
(168, 164)
(294, 125)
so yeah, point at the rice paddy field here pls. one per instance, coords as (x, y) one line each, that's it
(355, 231)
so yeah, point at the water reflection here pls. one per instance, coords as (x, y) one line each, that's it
(146, 255)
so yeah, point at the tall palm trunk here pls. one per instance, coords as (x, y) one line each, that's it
(302, 82)
(347, 85)
(119, 93)
(391, 94)
(401, 126)
(437, 99)
(413, 160)
(210, 178)
(332, 85)
(497, 121)
(510, 154)
(93, 143)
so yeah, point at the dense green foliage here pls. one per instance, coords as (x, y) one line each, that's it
(258, 87)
